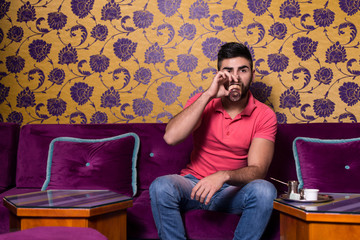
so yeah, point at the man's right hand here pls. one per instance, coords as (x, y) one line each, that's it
(217, 88)
(189, 118)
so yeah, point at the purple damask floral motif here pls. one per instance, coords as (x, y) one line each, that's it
(232, 18)
(15, 117)
(211, 47)
(110, 98)
(15, 64)
(57, 20)
(82, 8)
(187, 62)
(290, 9)
(278, 62)
(169, 7)
(25, 98)
(75, 116)
(168, 92)
(57, 76)
(323, 107)
(39, 49)
(143, 75)
(260, 91)
(111, 11)
(124, 48)
(323, 17)
(56, 106)
(198, 90)
(143, 19)
(350, 6)
(99, 32)
(4, 8)
(259, 7)
(99, 63)
(324, 75)
(336, 53)
(68, 55)
(290, 98)
(304, 47)
(154, 54)
(187, 31)
(1, 35)
(251, 49)
(26, 13)
(199, 10)
(349, 93)
(281, 118)
(278, 30)
(99, 118)
(142, 106)
(4, 93)
(15, 34)
(81, 92)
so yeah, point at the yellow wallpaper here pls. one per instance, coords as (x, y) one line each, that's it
(107, 61)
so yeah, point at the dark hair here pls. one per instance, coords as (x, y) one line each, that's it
(232, 50)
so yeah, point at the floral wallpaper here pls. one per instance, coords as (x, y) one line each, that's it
(122, 61)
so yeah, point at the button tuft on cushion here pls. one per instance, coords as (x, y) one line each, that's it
(151, 154)
(347, 167)
(87, 164)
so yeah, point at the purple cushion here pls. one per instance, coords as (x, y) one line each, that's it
(108, 163)
(153, 159)
(329, 165)
(54, 233)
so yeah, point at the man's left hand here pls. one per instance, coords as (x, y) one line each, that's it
(208, 186)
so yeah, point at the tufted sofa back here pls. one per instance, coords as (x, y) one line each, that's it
(155, 157)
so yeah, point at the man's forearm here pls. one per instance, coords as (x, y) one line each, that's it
(243, 175)
(186, 121)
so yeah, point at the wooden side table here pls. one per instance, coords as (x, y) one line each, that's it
(102, 210)
(337, 219)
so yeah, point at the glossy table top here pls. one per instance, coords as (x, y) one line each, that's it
(66, 199)
(345, 203)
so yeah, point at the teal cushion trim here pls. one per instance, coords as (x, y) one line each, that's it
(79, 140)
(314, 140)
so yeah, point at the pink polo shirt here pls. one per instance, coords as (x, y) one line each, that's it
(222, 143)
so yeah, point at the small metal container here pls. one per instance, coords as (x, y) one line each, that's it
(293, 187)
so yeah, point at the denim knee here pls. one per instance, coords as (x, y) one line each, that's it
(162, 187)
(263, 191)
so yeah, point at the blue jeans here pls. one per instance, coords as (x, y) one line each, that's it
(170, 195)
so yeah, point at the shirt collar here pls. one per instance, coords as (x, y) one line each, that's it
(251, 105)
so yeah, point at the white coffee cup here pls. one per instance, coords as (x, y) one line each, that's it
(311, 194)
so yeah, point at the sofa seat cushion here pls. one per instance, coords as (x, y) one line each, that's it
(107, 163)
(139, 216)
(55, 233)
(330, 165)
(199, 224)
(208, 225)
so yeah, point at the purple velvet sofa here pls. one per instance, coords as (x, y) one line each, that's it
(24, 159)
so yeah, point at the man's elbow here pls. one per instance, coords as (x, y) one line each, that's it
(169, 140)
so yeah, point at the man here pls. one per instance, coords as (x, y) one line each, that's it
(233, 148)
